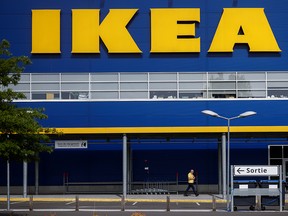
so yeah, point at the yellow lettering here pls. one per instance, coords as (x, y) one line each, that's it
(45, 31)
(114, 33)
(244, 26)
(173, 30)
(85, 31)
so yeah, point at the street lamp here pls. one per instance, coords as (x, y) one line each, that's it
(242, 115)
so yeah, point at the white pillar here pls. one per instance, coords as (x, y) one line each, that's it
(25, 172)
(124, 165)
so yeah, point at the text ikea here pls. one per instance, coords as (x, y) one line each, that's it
(172, 31)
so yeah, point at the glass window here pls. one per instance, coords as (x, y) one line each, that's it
(278, 84)
(276, 152)
(134, 95)
(251, 94)
(191, 94)
(222, 94)
(74, 95)
(134, 77)
(163, 76)
(192, 76)
(45, 86)
(192, 85)
(75, 86)
(251, 76)
(163, 94)
(103, 77)
(285, 151)
(104, 95)
(222, 85)
(277, 93)
(222, 76)
(251, 85)
(104, 86)
(45, 77)
(81, 77)
(45, 95)
(20, 87)
(25, 77)
(163, 85)
(277, 76)
(134, 86)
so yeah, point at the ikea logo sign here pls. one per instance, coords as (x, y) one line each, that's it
(172, 31)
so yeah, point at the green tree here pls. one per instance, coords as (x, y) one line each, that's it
(21, 135)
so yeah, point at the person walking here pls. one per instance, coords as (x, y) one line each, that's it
(191, 181)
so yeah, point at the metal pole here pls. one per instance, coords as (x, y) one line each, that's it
(124, 166)
(25, 171)
(36, 177)
(224, 171)
(8, 185)
(228, 165)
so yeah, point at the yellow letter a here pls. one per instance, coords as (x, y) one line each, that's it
(256, 31)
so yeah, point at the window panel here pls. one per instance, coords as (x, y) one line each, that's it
(192, 85)
(104, 86)
(277, 93)
(251, 94)
(222, 76)
(276, 152)
(134, 77)
(222, 94)
(103, 77)
(134, 95)
(75, 77)
(222, 85)
(25, 77)
(45, 96)
(277, 76)
(74, 86)
(163, 76)
(75, 95)
(278, 84)
(192, 76)
(45, 86)
(251, 76)
(162, 85)
(20, 87)
(104, 95)
(251, 85)
(191, 94)
(136, 86)
(163, 94)
(45, 77)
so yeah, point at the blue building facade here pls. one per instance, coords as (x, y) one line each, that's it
(153, 97)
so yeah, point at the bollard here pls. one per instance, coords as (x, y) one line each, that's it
(77, 203)
(31, 203)
(213, 203)
(168, 203)
(123, 203)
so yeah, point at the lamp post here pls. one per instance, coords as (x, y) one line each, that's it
(242, 115)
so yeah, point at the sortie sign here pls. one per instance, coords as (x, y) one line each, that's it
(256, 170)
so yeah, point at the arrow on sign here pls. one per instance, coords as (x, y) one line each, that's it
(240, 170)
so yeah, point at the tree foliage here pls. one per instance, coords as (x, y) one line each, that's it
(21, 135)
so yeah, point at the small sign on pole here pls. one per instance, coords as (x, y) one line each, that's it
(71, 144)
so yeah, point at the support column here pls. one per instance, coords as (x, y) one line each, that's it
(220, 171)
(37, 177)
(25, 174)
(129, 167)
(124, 165)
(224, 171)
